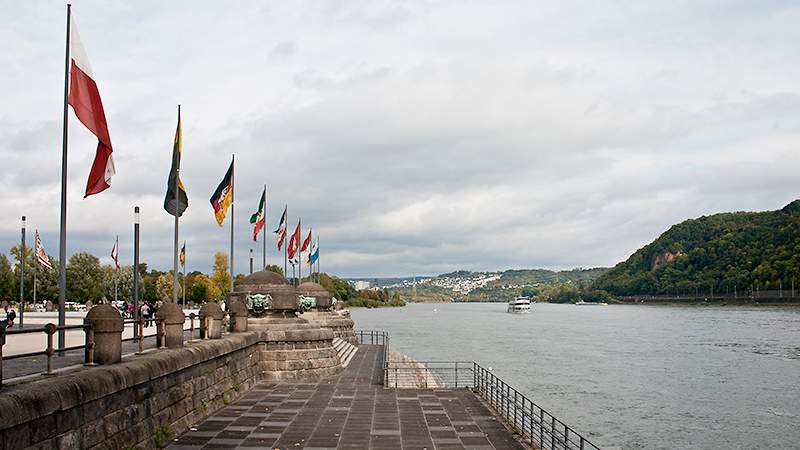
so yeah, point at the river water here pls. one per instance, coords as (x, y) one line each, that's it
(627, 376)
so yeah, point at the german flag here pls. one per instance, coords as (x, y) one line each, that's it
(223, 196)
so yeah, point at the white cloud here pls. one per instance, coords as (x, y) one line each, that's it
(412, 136)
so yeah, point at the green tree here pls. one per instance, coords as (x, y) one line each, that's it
(85, 278)
(274, 268)
(221, 277)
(6, 279)
(203, 289)
(164, 287)
(125, 285)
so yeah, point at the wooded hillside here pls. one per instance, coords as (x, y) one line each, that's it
(719, 253)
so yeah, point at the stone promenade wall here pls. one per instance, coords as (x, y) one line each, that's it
(128, 405)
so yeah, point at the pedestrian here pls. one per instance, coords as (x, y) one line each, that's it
(10, 316)
(144, 313)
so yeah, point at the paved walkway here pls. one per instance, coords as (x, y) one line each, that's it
(350, 411)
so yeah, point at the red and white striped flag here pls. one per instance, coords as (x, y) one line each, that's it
(85, 100)
(41, 256)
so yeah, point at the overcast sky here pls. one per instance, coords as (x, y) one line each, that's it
(414, 137)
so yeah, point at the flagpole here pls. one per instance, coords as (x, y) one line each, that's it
(184, 276)
(62, 248)
(264, 266)
(35, 266)
(285, 245)
(299, 256)
(233, 172)
(177, 163)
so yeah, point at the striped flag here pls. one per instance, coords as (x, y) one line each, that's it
(176, 203)
(281, 231)
(223, 196)
(85, 100)
(41, 256)
(257, 219)
(304, 249)
(314, 253)
(183, 255)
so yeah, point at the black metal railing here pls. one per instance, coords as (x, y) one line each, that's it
(376, 338)
(525, 418)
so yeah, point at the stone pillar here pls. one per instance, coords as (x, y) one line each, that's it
(240, 320)
(213, 315)
(173, 322)
(108, 326)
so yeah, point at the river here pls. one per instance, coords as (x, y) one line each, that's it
(627, 376)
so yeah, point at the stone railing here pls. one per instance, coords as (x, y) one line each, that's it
(138, 403)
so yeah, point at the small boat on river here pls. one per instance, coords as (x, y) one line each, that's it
(520, 305)
(583, 303)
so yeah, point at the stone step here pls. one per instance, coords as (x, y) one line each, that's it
(345, 350)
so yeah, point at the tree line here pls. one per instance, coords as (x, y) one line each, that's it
(88, 280)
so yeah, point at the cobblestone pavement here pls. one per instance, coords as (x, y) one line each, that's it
(350, 411)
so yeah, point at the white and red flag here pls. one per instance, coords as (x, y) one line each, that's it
(85, 100)
(41, 256)
(305, 248)
(294, 242)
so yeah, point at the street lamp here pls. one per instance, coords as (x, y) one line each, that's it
(22, 275)
(136, 263)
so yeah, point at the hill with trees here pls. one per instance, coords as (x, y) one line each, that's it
(465, 286)
(723, 253)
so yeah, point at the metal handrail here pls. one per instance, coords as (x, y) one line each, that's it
(525, 417)
(533, 424)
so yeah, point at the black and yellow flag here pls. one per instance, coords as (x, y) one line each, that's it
(170, 204)
(183, 255)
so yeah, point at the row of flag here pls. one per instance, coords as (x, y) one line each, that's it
(84, 97)
(307, 251)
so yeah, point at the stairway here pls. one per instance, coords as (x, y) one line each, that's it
(345, 350)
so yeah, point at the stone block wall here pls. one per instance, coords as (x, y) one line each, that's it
(123, 406)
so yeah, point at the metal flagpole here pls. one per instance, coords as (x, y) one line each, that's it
(233, 172)
(264, 266)
(22, 275)
(35, 265)
(286, 245)
(62, 248)
(177, 164)
(184, 275)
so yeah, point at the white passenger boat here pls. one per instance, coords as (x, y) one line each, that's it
(520, 305)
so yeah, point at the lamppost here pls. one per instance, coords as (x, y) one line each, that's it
(22, 275)
(136, 263)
